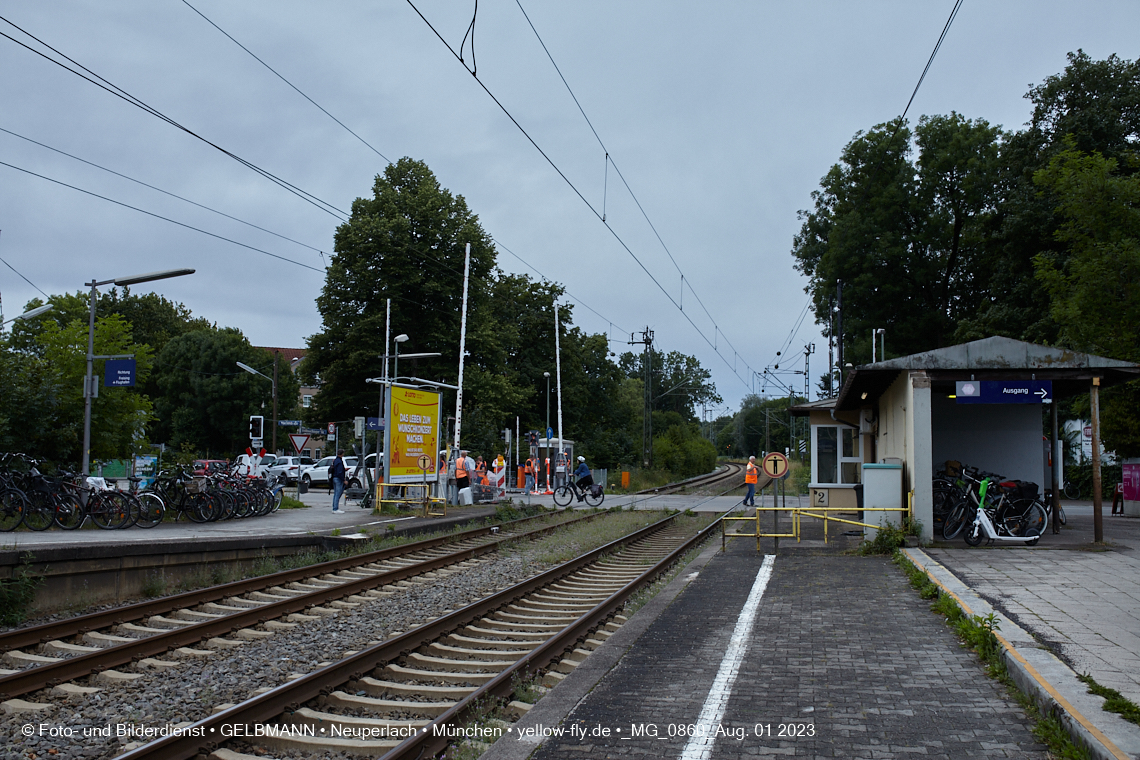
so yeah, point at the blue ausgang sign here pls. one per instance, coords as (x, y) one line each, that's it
(1004, 392)
(119, 373)
(373, 423)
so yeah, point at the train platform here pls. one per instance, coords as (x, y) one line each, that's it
(814, 652)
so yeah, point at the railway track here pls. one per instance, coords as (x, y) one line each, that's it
(723, 476)
(413, 694)
(99, 642)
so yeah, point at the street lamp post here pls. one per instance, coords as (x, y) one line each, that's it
(89, 378)
(273, 380)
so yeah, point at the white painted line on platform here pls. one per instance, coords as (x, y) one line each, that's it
(700, 747)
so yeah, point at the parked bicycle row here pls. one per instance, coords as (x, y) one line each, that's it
(67, 501)
(985, 506)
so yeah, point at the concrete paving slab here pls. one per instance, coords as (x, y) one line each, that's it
(1042, 675)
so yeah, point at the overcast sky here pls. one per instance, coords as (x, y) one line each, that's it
(722, 117)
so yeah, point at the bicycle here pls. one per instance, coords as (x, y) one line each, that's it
(593, 496)
(1022, 520)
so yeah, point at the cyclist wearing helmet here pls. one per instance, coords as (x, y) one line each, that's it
(585, 479)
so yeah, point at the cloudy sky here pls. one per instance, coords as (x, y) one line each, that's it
(722, 117)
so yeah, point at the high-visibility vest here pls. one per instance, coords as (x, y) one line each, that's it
(461, 467)
(751, 473)
(529, 469)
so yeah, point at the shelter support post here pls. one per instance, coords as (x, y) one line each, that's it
(1055, 473)
(1094, 412)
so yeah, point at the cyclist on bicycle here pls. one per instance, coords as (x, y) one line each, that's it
(585, 479)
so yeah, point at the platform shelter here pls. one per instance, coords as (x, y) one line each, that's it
(983, 403)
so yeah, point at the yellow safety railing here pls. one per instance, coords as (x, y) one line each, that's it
(797, 513)
(431, 506)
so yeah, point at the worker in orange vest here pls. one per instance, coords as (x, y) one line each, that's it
(462, 469)
(528, 470)
(751, 477)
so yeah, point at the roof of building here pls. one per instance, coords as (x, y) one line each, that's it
(995, 358)
(294, 355)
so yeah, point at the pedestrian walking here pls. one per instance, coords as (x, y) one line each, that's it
(336, 475)
(751, 476)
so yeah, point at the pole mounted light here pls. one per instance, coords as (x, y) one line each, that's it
(89, 378)
(32, 313)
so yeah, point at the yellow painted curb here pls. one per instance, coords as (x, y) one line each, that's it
(1052, 692)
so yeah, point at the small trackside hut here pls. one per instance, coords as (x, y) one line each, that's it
(979, 403)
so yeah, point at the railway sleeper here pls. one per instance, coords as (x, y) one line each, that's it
(375, 726)
(509, 644)
(449, 665)
(62, 647)
(517, 628)
(433, 676)
(372, 704)
(322, 746)
(378, 688)
(445, 650)
(491, 635)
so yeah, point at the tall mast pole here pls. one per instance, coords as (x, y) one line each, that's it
(462, 346)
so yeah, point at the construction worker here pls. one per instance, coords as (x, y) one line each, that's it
(463, 468)
(528, 470)
(751, 477)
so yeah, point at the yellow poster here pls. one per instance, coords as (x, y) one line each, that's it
(413, 433)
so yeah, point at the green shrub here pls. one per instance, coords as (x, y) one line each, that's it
(17, 595)
(887, 539)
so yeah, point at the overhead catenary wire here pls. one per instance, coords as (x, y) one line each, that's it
(22, 277)
(573, 187)
(159, 216)
(118, 92)
(160, 190)
(286, 81)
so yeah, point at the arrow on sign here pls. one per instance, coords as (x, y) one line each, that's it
(299, 441)
(1044, 394)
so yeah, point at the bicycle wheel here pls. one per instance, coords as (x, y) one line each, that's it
(39, 512)
(108, 511)
(12, 503)
(563, 495)
(956, 519)
(1061, 514)
(1072, 491)
(595, 501)
(69, 512)
(151, 509)
(973, 533)
(1021, 518)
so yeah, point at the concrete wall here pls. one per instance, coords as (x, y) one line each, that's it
(1001, 438)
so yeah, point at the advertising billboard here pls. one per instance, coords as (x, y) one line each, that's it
(413, 432)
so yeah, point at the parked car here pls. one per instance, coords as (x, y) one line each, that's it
(208, 466)
(369, 464)
(286, 468)
(319, 472)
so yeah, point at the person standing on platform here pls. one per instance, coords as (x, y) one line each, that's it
(751, 476)
(336, 475)
(528, 470)
(463, 468)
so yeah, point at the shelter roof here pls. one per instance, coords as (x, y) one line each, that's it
(995, 358)
(819, 405)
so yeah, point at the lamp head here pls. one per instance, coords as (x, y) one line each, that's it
(401, 338)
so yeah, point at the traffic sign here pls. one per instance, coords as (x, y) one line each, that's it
(299, 441)
(549, 433)
(425, 462)
(1003, 391)
(775, 465)
(118, 373)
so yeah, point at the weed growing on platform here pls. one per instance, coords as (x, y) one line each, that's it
(288, 502)
(887, 540)
(17, 594)
(1114, 701)
(978, 633)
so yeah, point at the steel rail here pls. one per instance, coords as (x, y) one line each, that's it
(205, 735)
(732, 469)
(428, 743)
(38, 634)
(51, 674)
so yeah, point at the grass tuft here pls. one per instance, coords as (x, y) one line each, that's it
(1114, 701)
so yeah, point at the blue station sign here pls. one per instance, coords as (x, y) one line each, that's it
(373, 423)
(119, 373)
(1004, 391)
